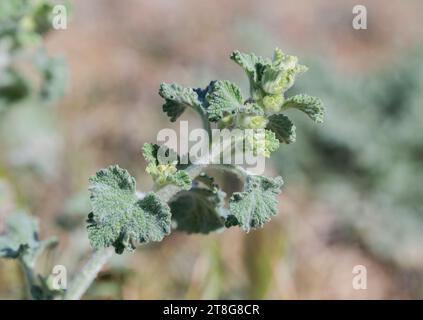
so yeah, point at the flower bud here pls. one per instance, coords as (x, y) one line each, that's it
(252, 122)
(273, 103)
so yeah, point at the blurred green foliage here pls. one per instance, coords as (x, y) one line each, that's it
(26, 69)
(367, 161)
(30, 79)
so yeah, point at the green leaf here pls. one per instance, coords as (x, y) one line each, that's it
(271, 143)
(224, 98)
(178, 99)
(255, 206)
(251, 63)
(21, 239)
(182, 179)
(312, 106)
(119, 218)
(153, 153)
(199, 210)
(262, 145)
(163, 166)
(283, 128)
(280, 75)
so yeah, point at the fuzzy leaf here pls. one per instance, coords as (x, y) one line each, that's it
(283, 128)
(262, 145)
(255, 206)
(153, 153)
(271, 143)
(312, 106)
(119, 218)
(182, 179)
(198, 210)
(280, 76)
(251, 63)
(163, 166)
(178, 99)
(224, 98)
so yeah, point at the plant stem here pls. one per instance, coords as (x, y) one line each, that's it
(29, 278)
(205, 121)
(88, 273)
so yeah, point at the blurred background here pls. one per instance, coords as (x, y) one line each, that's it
(353, 186)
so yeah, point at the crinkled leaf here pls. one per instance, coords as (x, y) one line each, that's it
(224, 98)
(255, 206)
(271, 143)
(163, 166)
(280, 75)
(178, 99)
(199, 210)
(251, 63)
(261, 144)
(312, 106)
(182, 179)
(283, 128)
(119, 218)
(154, 153)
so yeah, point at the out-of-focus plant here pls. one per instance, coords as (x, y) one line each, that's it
(29, 78)
(26, 70)
(22, 242)
(374, 187)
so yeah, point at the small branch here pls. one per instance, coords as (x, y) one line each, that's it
(29, 278)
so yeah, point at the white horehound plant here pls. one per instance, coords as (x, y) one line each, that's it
(185, 197)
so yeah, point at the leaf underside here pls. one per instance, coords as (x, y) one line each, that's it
(283, 128)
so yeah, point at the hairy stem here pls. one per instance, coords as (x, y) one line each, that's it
(89, 272)
(29, 278)
(205, 121)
